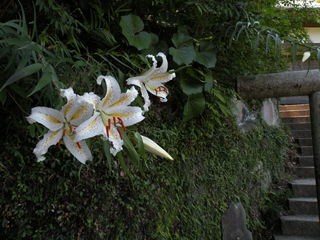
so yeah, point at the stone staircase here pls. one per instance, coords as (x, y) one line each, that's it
(304, 225)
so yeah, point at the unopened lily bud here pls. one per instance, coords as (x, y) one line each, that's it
(154, 148)
(306, 55)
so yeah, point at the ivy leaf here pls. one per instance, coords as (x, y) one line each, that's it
(184, 51)
(156, 46)
(132, 26)
(194, 106)
(207, 54)
(189, 82)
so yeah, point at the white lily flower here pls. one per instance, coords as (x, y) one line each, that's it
(61, 125)
(112, 111)
(306, 55)
(154, 148)
(152, 81)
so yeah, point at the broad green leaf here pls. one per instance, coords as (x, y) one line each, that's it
(209, 82)
(106, 148)
(207, 54)
(132, 26)
(22, 73)
(156, 46)
(194, 106)
(184, 52)
(189, 83)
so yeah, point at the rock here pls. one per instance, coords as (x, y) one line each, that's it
(270, 112)
(234, 223)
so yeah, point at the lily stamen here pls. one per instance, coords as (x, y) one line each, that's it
(115, 121)
(121, 123)
(64, 132)
(107, 129)
(78, 145)
(119, 133)
(156, 91)
(164, 89)
(59, 142)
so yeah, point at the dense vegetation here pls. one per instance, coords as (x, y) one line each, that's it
(47, 45)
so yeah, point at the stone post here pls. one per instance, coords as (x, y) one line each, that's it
(314, 101)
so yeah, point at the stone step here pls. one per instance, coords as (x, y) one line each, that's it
(306, 161)
(301, 133)
(300, 225)
(287, 237)
(306, 150)
(295, 113)
(294, 107)
(299, 126)
(303, 206)
(305, 172)
(304, 119)
(303, 187)
(304, 141)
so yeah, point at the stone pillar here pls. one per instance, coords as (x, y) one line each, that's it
(314, 101)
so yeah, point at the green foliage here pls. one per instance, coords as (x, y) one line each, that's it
(58, 44)
(184, 198)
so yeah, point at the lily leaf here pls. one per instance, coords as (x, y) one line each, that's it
(184, 52)
(207, 54)
(22, 73)
(132, 26)
(141, 145)
(194, 106)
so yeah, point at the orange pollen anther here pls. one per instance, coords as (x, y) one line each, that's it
(70, 128)
(159, 100)
(59, 142)
(109, 122)
(64, 132)
(78, 145)
(114, 121)
(121, 122)
(156, 91)
(119, 133)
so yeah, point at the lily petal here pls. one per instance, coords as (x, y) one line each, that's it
(81, 153)
(115, 139)
(164, 65)
(129, 115)
(90, 98)
(125, 98)
(49, 139)
(113, 91)
(50, 118)
(71, 97)
(90, 128)
(81, 113)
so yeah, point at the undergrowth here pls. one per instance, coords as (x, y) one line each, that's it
(214, 164)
